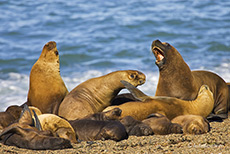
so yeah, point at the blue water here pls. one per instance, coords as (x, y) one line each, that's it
(96, 37)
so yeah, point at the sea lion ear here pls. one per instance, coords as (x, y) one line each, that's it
(139, 95)
(36, 121)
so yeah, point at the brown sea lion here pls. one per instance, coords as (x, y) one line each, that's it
(177, 80)
(192, 124)
(113, 114)
(90, 130)
(11, 114)
(95, 94)
(58, 126)
(23, 135)
(161, 125)
(136, 128)
(46, 89)
(171, 107)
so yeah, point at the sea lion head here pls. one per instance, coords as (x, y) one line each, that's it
(50, 53)
(205, 89)
(164, 53)
(196, 126)
(136, 78)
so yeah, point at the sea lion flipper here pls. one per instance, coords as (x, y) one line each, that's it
(36, 121)
(26, 116)
(134, 91)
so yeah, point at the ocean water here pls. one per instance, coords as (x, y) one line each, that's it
(97, 37)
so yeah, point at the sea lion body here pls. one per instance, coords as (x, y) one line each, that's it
(177, 80)
(169, 106)
(58, 126)
(46, 89)
(11, 114)
(161, 125)
(135, 127)
(192, 124)
(90, 130)
(23, 134)
(95, 94)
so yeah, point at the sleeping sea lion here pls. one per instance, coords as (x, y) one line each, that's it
(90, 130)
(113, 114)
(171, 107)
(135, 127)
(58, 126)
(95, 94)
(161, 125)
(177, 80)
(11, 114)
(192, 124)
(46, 89)
(23, 134)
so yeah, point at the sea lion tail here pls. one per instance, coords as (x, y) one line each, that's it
(139, 95)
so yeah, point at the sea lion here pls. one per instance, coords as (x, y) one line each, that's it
(23, 134)
(135, 127)
(95, 94)
(113, 114)
(11, 114)
(58, 126)
(90, 130)
(192, 124)
(46, 89)
(177, 80)
(171, 107)
(161, 125)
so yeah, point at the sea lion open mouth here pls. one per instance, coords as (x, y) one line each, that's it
(159, 54)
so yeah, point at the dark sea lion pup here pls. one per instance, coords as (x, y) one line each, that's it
(24, 135)
(177, 80)
(11, 114)
(95, 94)
(46, 89)
(171, 107)
(161, 125)
(136, 128)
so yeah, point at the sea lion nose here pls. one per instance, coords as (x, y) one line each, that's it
(156, 43)
(141, 81)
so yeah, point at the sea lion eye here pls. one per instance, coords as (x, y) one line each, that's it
(132, 76)
(56, 53)
(167, 44)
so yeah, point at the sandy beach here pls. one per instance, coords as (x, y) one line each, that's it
(215, 141)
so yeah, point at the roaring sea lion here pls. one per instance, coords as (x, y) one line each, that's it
(171, 107)
(135, 127)
(95, 94)
(23, 134)
(192, 124)
(58, 126)
(90, 130)
(46, 89)
(11, 114)
(177, 80)
(161, 125)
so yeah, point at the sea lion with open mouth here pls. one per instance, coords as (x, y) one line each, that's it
(177, 80)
